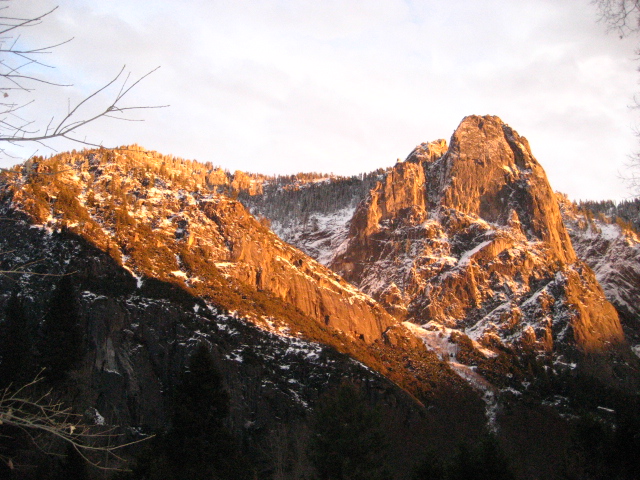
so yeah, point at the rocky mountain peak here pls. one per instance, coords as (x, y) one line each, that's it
(471, 237)
(489, 171)
(428, 151)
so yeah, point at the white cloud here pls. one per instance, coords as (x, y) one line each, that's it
(349, 86)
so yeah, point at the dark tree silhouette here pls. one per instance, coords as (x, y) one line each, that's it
(61, 344)
(482, 461)
(432, 467)
(197, 446)
(348, 440)
(16, 356)
(72, 465)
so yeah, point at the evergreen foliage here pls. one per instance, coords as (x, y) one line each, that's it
(197, 446)
(482, 461)
(431, 468)
(625, 213)
(601, 449)
(348, 441)
(16, 357)
(61, 342)
(71, 466)
(626, 439)
(289, 200)
(201, 400)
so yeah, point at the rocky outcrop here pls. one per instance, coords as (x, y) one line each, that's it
(612, 250)
(472, 237)
(399, 195)
(489, 172)
(162, 225)
(256, 257)
(242, 182)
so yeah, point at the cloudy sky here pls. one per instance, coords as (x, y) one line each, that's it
(281, 86)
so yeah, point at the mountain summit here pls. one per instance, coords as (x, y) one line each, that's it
(471, 237)
(445, 291)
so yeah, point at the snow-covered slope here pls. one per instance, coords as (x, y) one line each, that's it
(312, 214)
(612, 250)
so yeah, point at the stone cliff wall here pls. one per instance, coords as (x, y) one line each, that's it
(489, 171)
(256, 257)
(469, 237)
(156, 225)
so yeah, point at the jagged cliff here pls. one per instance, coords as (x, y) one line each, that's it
(470, 236)
(312, 213)
(612, 250)
(163, 226)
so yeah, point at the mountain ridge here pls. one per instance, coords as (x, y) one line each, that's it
(433, 202)
(468, 303)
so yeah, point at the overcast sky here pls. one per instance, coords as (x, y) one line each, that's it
(348, 86)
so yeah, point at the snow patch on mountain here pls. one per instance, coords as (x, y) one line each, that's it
(612, 250)
(437, 338)
(320, 236)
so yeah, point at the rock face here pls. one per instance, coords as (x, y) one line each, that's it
(489, 172)
(161, 225)
(256, 257)
(471, 237)
(612, 250)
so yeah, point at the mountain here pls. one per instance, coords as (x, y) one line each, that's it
(486, 249)
(455, 290)
(611, 249)
(168, 230)
(470, 237)
(158, 218)
(149, 261)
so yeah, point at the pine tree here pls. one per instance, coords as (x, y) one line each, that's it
(348, 439)
(197, 446)
(431, 468)
(61, 343)
(16, 359)
(484, 461)
(201, 399)
(71, 466)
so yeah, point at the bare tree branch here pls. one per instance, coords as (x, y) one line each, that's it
(622, 16)
(17, 130)
(41, 417)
